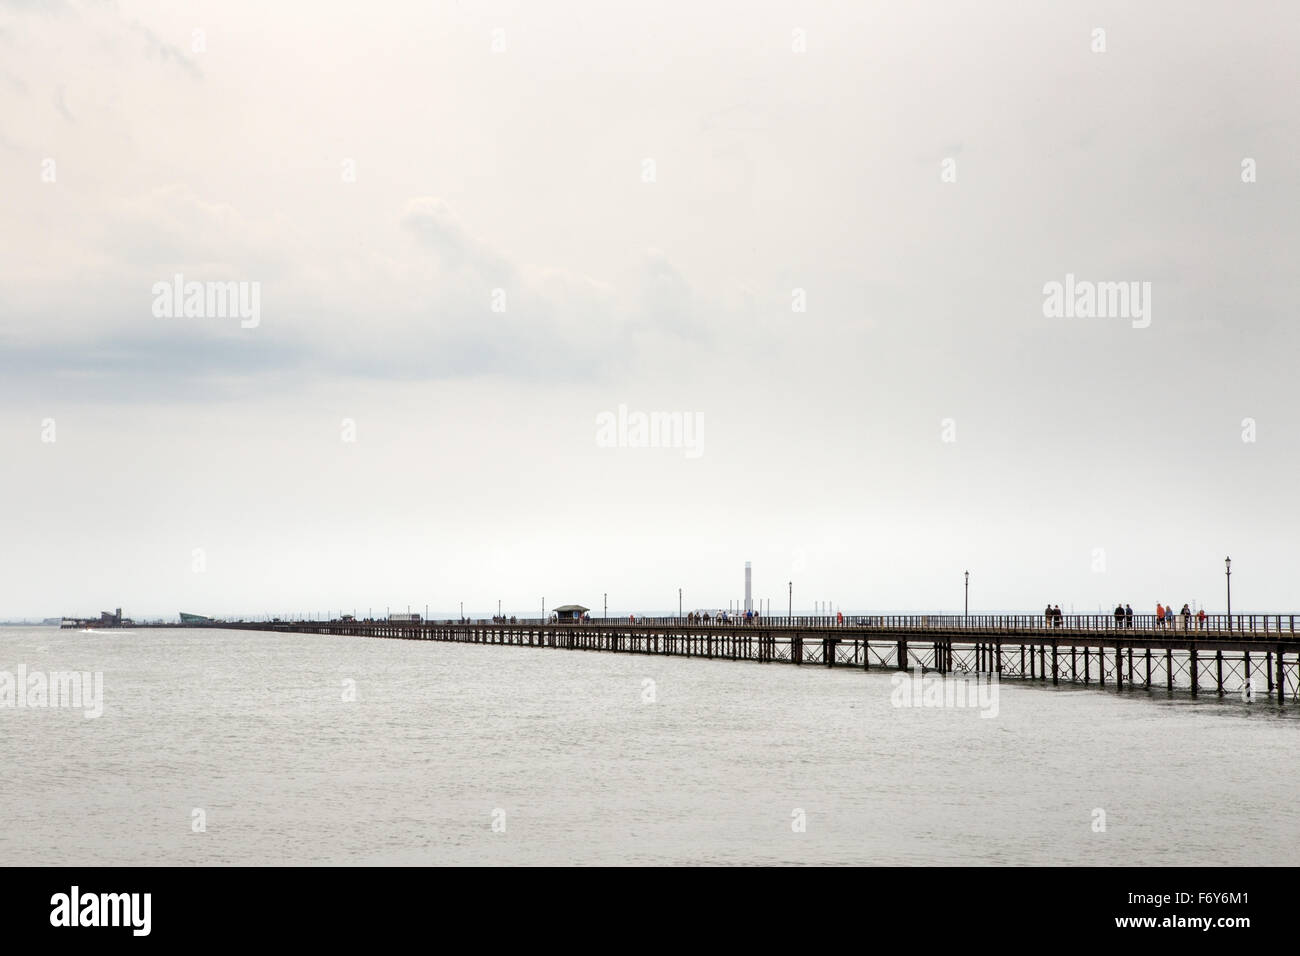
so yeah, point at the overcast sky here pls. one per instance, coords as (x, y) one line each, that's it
(820, 232)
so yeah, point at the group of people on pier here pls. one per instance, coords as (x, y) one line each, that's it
(1165, 618)
(722, 617)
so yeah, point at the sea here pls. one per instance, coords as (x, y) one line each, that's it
(222, 747)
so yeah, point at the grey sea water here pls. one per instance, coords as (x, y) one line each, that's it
(578, 759)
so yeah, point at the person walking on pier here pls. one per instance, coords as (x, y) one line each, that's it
(1119, 616)
(1056, 615)
(1160, 615)
(1187, 617)
(1128, 616)
(1200, 619)
(1047, 616)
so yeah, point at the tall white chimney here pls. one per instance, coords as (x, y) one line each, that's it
(749, 593)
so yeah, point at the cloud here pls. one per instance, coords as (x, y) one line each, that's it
(61, 104)
(166, 52)
(174, 228)
(447, 305)
(432, 223)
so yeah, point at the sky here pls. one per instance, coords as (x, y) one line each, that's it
(488, 241)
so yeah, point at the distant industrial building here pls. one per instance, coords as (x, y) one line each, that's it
(112, 618)
(194, 619)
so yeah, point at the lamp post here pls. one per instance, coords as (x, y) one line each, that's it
(679, 605)
(606, 606)
(1227, 573)
(967, 614)
(789, 610)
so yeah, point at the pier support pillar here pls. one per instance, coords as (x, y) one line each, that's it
(1055, 681)
(1191, 658)
(902, 655)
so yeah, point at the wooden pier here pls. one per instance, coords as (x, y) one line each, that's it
(1254, 657)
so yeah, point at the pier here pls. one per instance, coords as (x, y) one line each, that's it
(1255, 657)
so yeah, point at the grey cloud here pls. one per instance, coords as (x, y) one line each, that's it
(166, 52)
(432, 222)
(61, 104)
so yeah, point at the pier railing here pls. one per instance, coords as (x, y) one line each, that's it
(1220, 625)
